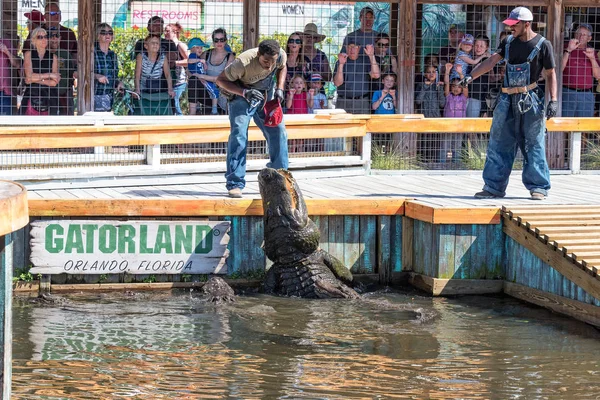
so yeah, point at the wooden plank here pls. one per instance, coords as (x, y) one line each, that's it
(446, 215)
(419, 248)
(584, 312)
(351, 243)
(554, 259)
(384, 249)
(207, 207)
(336, 238)
(463, 246)
(495, 254)
(446, 248)
(407, 241)
(453, 287)
(368, 233)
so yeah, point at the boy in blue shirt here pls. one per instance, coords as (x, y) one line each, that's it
(384, 100)
(197, 69)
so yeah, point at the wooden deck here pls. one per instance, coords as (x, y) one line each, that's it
(435, 190)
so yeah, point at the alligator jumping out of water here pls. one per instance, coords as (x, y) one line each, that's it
(300, 267)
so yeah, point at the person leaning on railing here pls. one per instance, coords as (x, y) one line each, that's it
(41, 76)
(153, 81)
(106, 69)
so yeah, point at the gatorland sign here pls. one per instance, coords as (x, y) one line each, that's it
(134, 247)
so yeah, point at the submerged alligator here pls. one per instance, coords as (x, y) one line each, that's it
(300, 267)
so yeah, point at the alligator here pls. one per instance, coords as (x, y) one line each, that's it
(216, 290)
(300, 268)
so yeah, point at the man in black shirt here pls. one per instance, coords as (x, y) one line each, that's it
(155, 28)
(519, 118)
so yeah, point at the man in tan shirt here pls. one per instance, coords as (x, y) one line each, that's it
(257, 75)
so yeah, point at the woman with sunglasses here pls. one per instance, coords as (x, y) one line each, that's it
(217, 59)
(41, 76)
(106, 69)
(386, 61)
(297, 62)
(173, 33)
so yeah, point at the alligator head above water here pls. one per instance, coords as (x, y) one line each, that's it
(299, 268)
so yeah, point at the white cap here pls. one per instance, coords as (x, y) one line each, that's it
(517, 15)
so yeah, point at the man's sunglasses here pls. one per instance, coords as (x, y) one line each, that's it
(379, 44)
(53, 13)
(219, 40)
(41, 37)
(296, 41)
(107, 33)
(54, 35)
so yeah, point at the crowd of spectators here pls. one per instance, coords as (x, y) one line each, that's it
(364, 75)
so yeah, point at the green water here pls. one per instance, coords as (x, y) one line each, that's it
(390, 345)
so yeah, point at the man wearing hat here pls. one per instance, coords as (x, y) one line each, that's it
(519, 116)
(319, 62)
(365, 34)
(580, 66)
(256, 75)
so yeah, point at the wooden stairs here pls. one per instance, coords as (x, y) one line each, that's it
(566, 237)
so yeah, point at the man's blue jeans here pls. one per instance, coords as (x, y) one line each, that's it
(6, 107)
(577, 104)
(512, 130)
(240, 114)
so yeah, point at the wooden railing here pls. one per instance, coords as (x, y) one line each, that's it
(19, 133)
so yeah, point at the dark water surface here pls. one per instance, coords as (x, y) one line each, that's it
(391, 345)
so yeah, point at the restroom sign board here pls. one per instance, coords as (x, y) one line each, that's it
(133, 247)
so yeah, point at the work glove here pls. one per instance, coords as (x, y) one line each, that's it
(279, 95)
(551, 109)
(253, 96)
(465, 80)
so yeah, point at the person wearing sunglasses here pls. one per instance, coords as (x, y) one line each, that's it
(216, 59)
(53, 17)
(387, 62)
(67, 68)
(106, 69)
(41, 76)
(297, 62)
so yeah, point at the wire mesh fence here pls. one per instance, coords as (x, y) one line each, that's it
(339, 54)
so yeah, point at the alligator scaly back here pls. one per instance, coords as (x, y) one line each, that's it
(299, 268)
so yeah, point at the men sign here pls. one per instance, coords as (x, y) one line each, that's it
(134, 247)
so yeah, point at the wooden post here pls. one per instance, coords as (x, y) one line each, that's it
(575, 152)
(556, 140)
(406, 142)
(85, 55)
(251, 36)
(366, 152)
(6, 315)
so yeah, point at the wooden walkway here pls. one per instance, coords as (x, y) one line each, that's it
(436, 190)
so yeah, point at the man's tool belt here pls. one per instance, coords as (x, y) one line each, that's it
(519, 89)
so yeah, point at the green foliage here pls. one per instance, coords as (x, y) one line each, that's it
(391, 158)
(591, 154)
(473, 156)
(186, 277)
(22, 275)
(150, 279)
(253, 274)
(102, 278)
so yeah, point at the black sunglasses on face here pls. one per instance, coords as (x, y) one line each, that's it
(219, 40)
(296, 41)
(40, 37)
(54, 35)
(379, 44)
(107, 33)
(53, 13)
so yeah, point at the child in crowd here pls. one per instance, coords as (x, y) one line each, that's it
(464, 57)
(196, 69)
(319, 99)
(430, 94)
(299, 101)
(455, 107)
(384, 101)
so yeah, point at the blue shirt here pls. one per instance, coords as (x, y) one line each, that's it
(386, 106)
